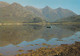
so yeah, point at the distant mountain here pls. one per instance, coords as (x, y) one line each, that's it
(3, 4)
(51, 14)
(15, 13)
(18, 13)
(34, 10)
(55, 14)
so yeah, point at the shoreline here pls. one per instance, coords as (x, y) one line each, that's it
(62, 50)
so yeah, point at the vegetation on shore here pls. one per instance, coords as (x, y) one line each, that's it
(62, 50)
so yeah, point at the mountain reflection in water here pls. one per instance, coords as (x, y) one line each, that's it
(23, 35)
(17, 34)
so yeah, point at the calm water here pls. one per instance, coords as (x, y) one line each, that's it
(28, 37)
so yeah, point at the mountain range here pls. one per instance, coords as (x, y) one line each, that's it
(17, 13)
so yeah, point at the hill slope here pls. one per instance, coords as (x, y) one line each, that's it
(15, 13)
(70, 19)
(50, 14)
(34, 10)
(3, 4)
(55, 14)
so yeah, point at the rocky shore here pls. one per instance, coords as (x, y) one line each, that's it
(62, 50)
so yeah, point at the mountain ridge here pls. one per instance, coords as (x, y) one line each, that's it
(55, 14)
(4, 4)
(46, 13)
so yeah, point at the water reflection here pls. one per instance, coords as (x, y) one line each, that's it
(71, 27)
(17, 34)
(23, 35)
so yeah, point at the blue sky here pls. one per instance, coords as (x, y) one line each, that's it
(73, 5)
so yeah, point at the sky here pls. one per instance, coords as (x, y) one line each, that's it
(73, 5)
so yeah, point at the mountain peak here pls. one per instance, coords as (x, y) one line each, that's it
(59, 8)
(3, 4)
(16, 4)
(47, 7)
(29, 7)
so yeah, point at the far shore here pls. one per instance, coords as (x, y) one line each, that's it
(41, 23)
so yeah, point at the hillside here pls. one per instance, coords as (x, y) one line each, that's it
(55, 14)
(50, 14)
(17, 13)
(34, 10)
(3, 4)
(71, 23)
(70, 19)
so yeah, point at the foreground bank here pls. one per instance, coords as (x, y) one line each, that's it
(62, 50)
